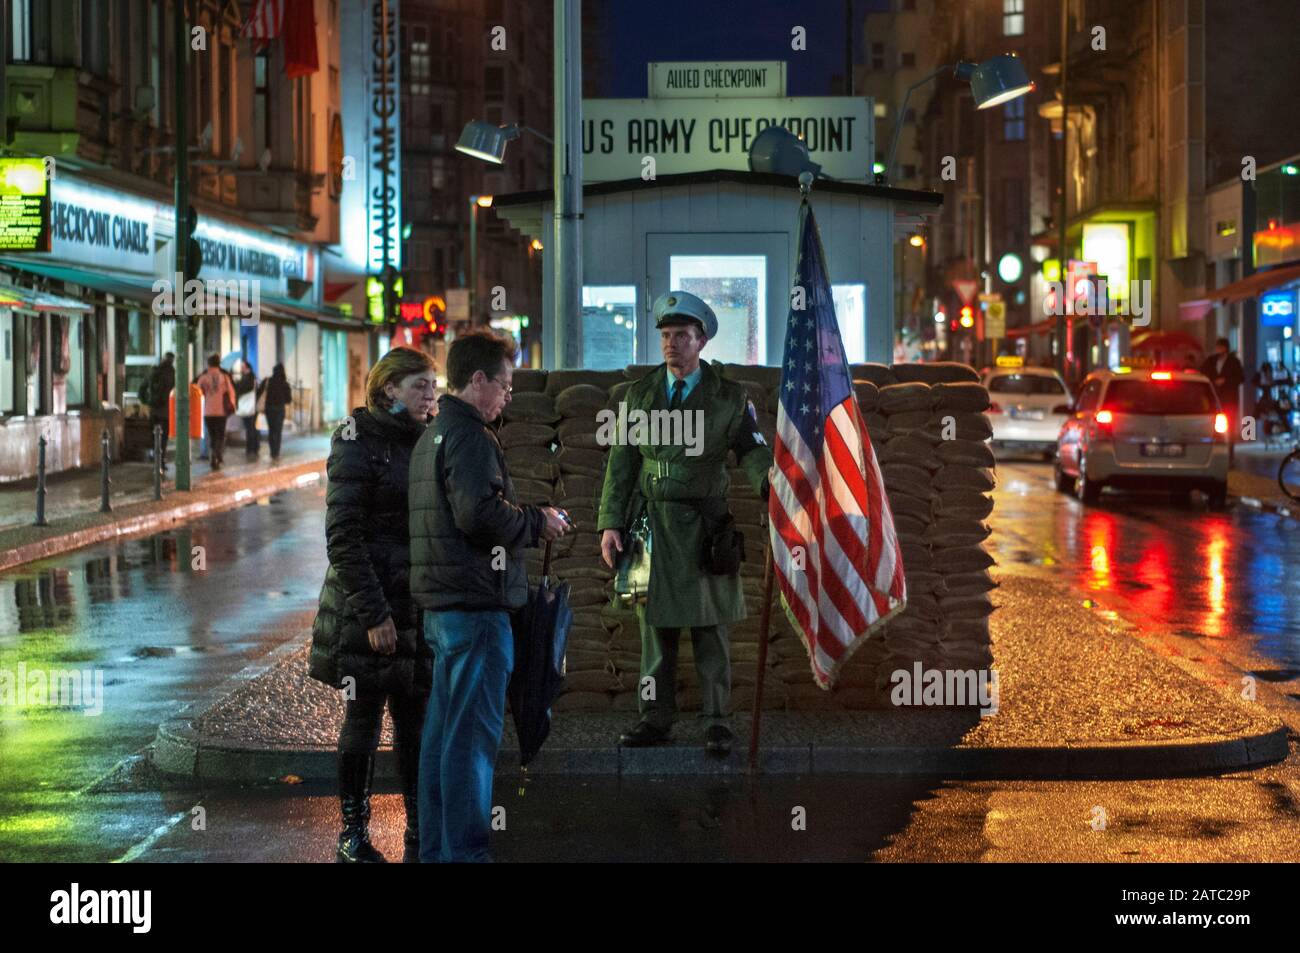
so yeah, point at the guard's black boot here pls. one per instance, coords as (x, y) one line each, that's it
(356, 771)
(643, 735)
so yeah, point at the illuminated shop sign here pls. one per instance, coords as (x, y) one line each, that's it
(1277, 309)
(24, 205)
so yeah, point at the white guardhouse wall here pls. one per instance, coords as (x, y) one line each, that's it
(856, 233)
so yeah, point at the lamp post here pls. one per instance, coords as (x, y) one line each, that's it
(181, 242)
(475, 203)
(993, 82)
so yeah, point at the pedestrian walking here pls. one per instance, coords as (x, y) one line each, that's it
(1226, 374)
(274, 395)
(162, 381)
(694, 563)
(246, 406)
(366, 637)
(468, 534)
(218, 404)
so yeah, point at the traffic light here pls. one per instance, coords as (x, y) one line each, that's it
(967, 317)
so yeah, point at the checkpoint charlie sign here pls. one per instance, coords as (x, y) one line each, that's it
(695, 135)
(713, 80)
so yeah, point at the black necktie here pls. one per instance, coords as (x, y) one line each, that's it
(679, 386)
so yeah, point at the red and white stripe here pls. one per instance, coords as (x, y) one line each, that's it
(266, 21)
(830, 503)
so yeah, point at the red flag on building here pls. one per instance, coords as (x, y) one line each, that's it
(834, 548)
(295, 21)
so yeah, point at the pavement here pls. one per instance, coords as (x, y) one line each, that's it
(1078, 698)
(72, 505)
(1253, 480)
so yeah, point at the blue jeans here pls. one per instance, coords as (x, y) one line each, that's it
(473, 654)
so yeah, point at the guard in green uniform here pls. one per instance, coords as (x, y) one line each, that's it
(682, 482)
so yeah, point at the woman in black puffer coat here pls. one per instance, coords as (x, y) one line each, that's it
(367, 635)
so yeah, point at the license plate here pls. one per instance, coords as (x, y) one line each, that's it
(1017, 414)
(1162, 449)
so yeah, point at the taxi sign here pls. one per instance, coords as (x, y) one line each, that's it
(1010, 360)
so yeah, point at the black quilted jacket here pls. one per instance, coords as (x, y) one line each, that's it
(467, 531)
(369, 554)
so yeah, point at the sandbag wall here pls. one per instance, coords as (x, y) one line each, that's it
(928, 426)
(939, 502)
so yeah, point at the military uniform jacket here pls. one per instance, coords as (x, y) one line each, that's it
(681, 593)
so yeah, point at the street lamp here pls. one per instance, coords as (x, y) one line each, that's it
(476, 202)
(482, 140)
(993, 82)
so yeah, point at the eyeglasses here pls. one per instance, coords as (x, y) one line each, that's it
(505, 387)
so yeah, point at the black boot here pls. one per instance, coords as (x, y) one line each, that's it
(411, 840)
(356, 772)
(408, 766)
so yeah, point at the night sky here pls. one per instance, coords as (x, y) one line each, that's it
(640, 33)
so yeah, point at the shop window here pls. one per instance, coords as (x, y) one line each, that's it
(851, 315)
(735, 286)
(608, 326)
(76, 360)
(1013, 17)
(32, 370)
(6, 362)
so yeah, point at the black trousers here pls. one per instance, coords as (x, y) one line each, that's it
(216, 439)
(274, 429)
(251, 445)
(159, 420)
(363, 720)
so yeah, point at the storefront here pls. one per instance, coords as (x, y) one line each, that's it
(728, 236)
(82, 325)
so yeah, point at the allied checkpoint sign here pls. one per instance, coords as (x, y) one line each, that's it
(24, 205)
(696, 135)
(714, 80)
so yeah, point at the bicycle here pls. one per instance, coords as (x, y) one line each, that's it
(1288, 474)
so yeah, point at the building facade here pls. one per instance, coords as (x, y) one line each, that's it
(90, 87)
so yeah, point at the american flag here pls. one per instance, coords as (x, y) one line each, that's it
(834, 549)
(265, 21)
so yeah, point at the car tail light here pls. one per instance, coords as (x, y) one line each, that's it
(1221, 425)
(994, 409)
(1105, 421)
(1161, 376)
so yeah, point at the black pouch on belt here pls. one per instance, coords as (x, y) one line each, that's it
(724, 544)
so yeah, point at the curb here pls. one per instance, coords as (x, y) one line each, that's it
(210, 501)
(181, 751)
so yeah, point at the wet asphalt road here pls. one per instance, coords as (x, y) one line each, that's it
(1216, 592)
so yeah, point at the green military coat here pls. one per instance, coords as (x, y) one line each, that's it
(681, 593)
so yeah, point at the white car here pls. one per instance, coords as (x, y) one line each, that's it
(1145, 429)
(1029, 406)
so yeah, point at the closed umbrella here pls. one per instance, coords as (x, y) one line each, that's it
(541, 632)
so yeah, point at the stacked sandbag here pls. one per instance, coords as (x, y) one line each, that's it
(930, 434)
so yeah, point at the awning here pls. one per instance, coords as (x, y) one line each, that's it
(132, 287)
(30, 299)
(1248, 287)
(1038, 327)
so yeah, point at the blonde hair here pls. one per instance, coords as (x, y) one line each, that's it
(398, 363)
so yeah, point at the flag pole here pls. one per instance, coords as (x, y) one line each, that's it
(765, 615)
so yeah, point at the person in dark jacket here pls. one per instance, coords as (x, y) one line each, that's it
(468, 534)
(279, 395)
(246, 383)
(1226, 374)
(162, 381)
(366, 638)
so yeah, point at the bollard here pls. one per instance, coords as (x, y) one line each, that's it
(158, 461)
(40, 483)
(104, 505)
